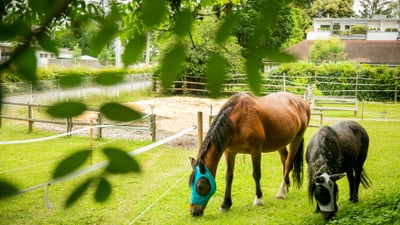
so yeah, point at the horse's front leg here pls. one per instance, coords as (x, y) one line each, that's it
(284, 188)
(256, 159)
(230, 166)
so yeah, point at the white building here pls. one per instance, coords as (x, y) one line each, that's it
(376, 28)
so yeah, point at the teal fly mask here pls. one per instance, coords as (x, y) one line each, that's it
(203, 186)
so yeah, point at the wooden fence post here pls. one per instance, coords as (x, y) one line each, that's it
(199, 129)
(30, 116)
(100, 122)
(153, 127)
(91, 141)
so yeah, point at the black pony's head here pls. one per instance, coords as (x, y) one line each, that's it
(325, 191)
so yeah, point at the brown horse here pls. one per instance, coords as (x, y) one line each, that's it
(251, 125)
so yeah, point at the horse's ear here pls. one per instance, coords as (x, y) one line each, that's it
(201, 166)
(336, 177)
(192, 161)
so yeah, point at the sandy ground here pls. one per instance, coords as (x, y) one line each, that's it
(173, 114)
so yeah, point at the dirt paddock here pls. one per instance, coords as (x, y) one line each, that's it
(174, 114)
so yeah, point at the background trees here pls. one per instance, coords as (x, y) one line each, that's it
(374, 7)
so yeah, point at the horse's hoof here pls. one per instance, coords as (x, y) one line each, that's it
(258, 202)
(280, 196)
(221, 209)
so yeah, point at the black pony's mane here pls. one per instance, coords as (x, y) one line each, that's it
(221, 128)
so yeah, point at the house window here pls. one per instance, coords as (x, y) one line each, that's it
(325, 27)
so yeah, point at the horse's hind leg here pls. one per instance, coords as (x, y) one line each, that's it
(230, 166)
(352, 185)
(283, 189)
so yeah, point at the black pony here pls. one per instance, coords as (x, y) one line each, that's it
(333, 151)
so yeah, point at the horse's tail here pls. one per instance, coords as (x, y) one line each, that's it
(297, 175)
(365, 181)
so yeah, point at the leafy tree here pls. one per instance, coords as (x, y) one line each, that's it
(374, 7)
(327, 51)
(332, 8)
(394, 7)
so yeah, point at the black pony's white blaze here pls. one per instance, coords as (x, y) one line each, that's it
(326, 187)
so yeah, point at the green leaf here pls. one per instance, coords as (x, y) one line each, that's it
(108, 78)
(66, 109)
(134, 49)
(26, 64)
(279, 56)
(9, 32)
(71, 163)
(120, 161)
(225, 30)
(253, 74)
(103, 190)
(6, 189)
(154, 11)
(183, 22)
(171, 65)
(46, 43)
(216, 71)
(79, 191)
(118, 112)
(106, 34)
(72, 80)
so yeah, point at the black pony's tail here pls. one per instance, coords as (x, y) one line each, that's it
(365, 181)
(297, 174)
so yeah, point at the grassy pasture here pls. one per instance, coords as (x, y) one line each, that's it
(160, 194)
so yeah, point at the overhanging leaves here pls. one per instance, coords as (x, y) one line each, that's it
(66, 109)
(154, 11)
(118, 112)
(108, 78)
(134, 49)
(183, 23)
(106, 34)
(46, 43)
(72, 80)
(120, 162)
(103, 190)
(216, 71)
(71, 163)
(253, 74)
(26, 63)
(171, 64)
(226, 28)
(6, 189)
(79, 191)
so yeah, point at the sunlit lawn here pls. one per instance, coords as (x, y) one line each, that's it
(160, 194)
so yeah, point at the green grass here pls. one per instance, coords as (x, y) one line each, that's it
(164, 177)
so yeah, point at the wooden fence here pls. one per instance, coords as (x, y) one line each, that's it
(147, 123)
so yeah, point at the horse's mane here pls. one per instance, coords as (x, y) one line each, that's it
(221, 128)
(326, 157)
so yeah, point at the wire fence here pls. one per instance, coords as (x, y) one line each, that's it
(52, 90)
(367, 88)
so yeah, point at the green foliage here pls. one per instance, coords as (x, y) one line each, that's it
(66, 109)
(71, 163)
(359, 29)
(332, 8)
(327, 51)
(337, 78)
